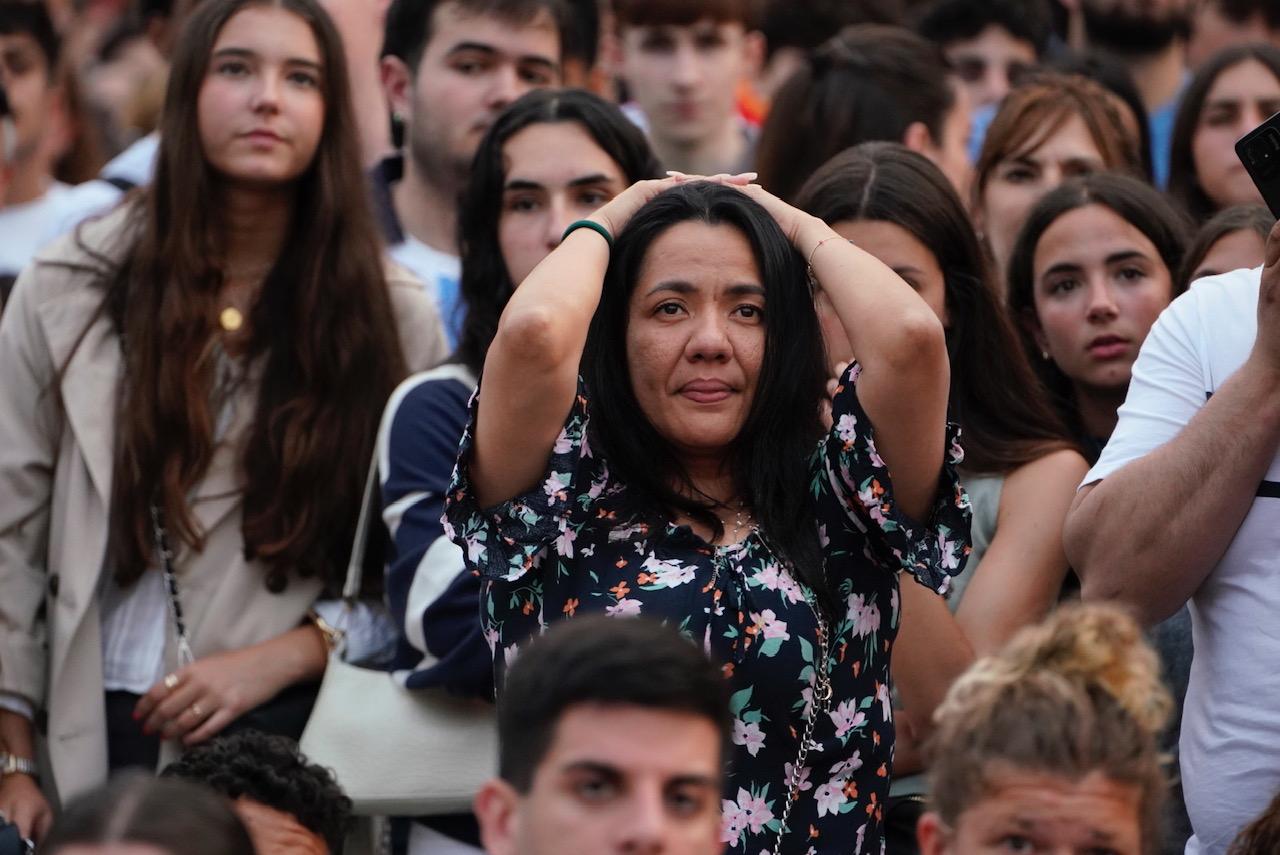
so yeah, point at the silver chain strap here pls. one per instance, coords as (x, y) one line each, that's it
(822, 693)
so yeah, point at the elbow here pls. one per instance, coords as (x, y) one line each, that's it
(919, 344)
(531, 336)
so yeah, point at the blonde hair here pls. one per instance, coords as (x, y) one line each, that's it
(1079, 693)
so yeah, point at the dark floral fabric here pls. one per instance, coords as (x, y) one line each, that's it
(571, 546)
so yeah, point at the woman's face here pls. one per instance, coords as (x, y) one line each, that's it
(1241, 249)
(909, 258)
(555, 174)
(261, 105)
(1099, 284)
(1019, 181)
(1043, 813)
(1242, 98)
(696, 335)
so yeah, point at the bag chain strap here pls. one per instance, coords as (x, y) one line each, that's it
(185, 654)
(822, 693)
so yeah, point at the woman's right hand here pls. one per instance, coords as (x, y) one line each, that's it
(22, 803)
(618, 211)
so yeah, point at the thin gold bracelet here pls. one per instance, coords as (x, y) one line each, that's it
(332, 635)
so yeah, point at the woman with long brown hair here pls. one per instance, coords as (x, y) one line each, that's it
(1055, 127)
(189, 395)
(1020, 468)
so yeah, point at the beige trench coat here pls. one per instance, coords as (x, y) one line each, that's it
(56, 460)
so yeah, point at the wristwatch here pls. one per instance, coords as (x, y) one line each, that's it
(11, 764)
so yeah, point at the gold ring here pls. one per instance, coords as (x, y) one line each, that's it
(171, 681)
(196, 712)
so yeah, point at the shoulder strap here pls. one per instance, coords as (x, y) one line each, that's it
(360, 543)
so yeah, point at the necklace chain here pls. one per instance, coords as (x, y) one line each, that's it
(822, 694)
(822, 689)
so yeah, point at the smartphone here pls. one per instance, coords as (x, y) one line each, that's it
(1259, 151)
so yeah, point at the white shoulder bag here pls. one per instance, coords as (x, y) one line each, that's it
(397, 751)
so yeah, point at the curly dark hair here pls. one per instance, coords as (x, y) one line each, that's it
(270, 769)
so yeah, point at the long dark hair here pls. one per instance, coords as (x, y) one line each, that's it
(1184, 183)
(995, 397)
(323, 330)
(769, 456)
(869, 82)
(1134, 201)
(486, 283)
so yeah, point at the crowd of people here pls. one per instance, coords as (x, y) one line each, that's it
(843, 347)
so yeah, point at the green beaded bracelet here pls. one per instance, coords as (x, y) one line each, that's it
(589, 224)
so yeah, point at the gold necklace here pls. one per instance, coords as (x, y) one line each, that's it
(231, 319)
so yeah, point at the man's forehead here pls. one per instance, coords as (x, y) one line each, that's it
(453, 22)
(700, 25)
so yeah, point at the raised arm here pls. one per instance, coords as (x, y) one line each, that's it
(1149, 534)
(531, 372)
(898, 341)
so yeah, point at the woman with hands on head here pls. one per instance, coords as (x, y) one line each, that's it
(177, 380)
(647, 440)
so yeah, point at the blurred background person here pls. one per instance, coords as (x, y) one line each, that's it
(1149, 36)
(1112, 75)
(51, 141)
(1230, 95)
(868, 83)
(1219, 24)
(552, 157)
(1049, 745)
(139, 815)
(1051, 129)
(1232, 239)
(990, 44)
(790, 36)
(449, 68)
(1020, 470)
(683, 63)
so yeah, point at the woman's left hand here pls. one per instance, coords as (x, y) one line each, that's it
(196, 702)
(789, 218)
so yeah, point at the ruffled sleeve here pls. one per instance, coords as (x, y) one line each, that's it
(517, 536)
(851, 469)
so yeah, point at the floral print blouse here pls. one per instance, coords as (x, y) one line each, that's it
(570, 546)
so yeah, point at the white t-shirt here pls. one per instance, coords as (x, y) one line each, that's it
(23, 228)
(133, 167)
(1230, 741)
(441, 273)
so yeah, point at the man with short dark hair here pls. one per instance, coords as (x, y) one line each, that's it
(683, 62)
(1150, 37)
(613, 737)
(449, 67)
(989, 43)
